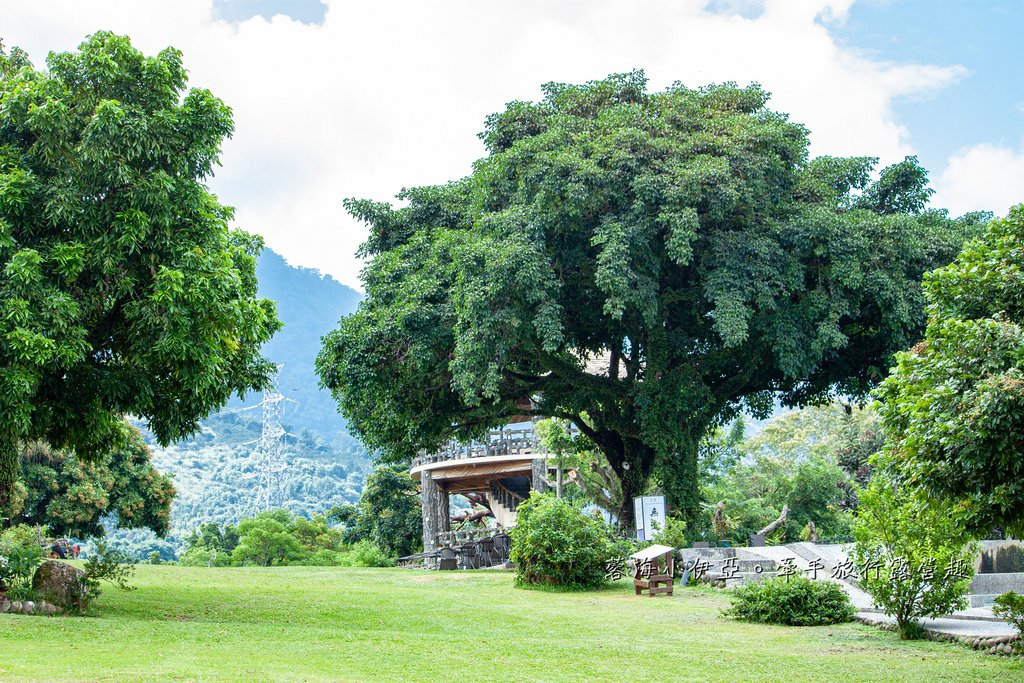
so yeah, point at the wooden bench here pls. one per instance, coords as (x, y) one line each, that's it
(653, 570)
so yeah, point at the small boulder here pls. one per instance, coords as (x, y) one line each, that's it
(60, 583)
(28, 607)
(15, 607)
(5, 605)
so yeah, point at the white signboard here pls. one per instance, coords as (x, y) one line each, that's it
(649, 512)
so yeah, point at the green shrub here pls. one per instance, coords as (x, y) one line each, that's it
(20, 534)
(796, 602)
(554, 543)
(200, 556)
(366, 554)
(20, 556)
(266, 540)
(324, 558)
(1010, 606)
(113, 566)
(673, 534)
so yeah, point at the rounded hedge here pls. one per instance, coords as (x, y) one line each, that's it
(796, 602)
(554, 543)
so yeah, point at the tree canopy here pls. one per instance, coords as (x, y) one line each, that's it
(645, 264)
(122, 288)
(387, 515)
(953, 408)
(70, 497)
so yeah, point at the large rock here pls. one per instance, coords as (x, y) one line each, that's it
(60, 583)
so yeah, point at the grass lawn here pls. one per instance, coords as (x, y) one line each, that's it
(312, 623)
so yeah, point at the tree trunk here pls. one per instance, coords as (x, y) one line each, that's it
(777, 523)
(634, 471)
(718, 521)
(8, 467)
(680, 478)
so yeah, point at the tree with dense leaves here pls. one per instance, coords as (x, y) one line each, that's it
(913, 557)
(953, 409)
(122, 288)
(71, 497)
(388, 513)
(644, 264)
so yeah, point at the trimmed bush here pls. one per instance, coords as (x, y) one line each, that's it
(554, 543)
(796, 602)
(366, 554)
(1010, 606)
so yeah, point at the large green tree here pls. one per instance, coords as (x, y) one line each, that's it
(388, 513)
(122, 288)
(681, 238)
(953, 408)
(71, 497)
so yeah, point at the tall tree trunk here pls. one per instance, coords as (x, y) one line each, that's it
(634, 470)
(680, 479)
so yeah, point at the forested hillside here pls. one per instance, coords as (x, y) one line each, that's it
(214, 471)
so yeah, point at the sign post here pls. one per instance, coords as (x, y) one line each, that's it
(649, 512)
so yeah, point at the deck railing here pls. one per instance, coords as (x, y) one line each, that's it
(498, 442)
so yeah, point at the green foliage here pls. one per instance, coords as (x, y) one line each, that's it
(673, 534)
(388, 513)
(1010, 606)
(366, 554)
(72, 497)
(798, 601)
(554, 543)
(20, 556)
(921, 560)
(274, 537)
(954, 405)
(198, 556)
(794, 462)
(123, 289)
(111, 566)
(211, 545)
(266, 540)
(681, 237)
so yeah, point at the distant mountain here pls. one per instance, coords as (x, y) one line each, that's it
(309, 304)
(214, 472)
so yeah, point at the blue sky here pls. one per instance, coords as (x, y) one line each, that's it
(337, 98)
(987, 105)
(308, 11)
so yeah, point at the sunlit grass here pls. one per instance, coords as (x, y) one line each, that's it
(309, 624)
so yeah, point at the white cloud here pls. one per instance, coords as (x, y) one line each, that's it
(390, 94)
(982, 177)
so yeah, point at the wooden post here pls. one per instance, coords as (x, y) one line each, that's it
(436, 514)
